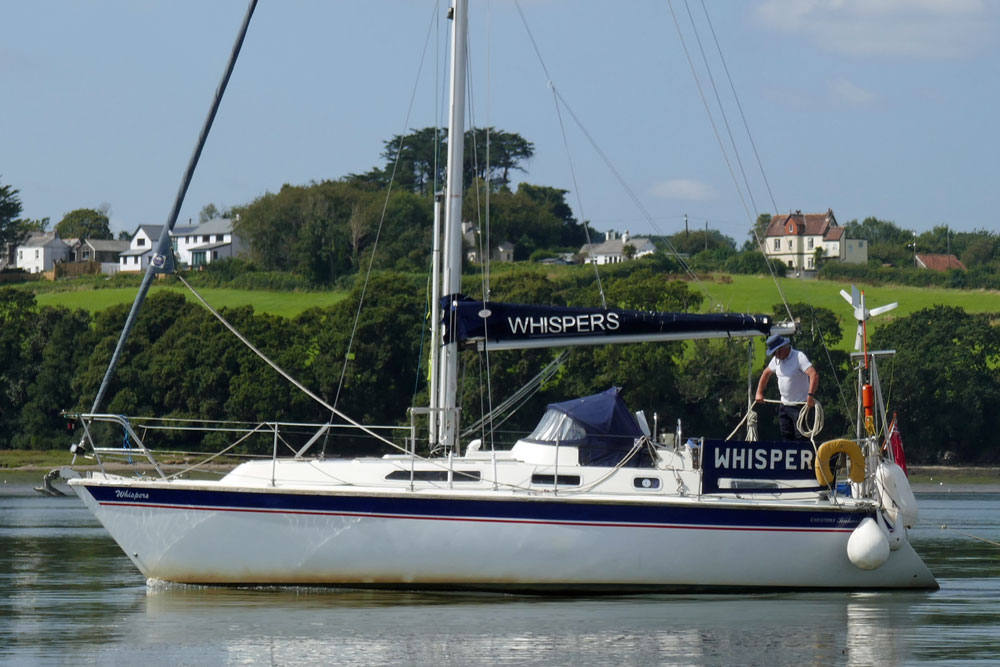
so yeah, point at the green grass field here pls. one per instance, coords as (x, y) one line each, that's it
(757, 294)
(285, 304)
(754, 294)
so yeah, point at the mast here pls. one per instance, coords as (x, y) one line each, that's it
(451, 279)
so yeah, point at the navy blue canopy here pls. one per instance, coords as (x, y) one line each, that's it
(600, 426)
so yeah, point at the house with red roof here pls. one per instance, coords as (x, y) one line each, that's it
(798, 239)
(938, 262)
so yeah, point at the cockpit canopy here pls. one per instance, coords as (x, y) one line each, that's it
(599, 426)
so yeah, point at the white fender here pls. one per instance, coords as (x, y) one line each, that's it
(897, 496)
(868, 547)
(896, 535)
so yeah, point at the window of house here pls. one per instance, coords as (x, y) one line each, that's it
(218, 238)
(206, 238)
(789, 244)
(790, 265)
(140, 241)
(36, 254)
(810, 263)
(777, 244)
(20, 254)
(809, 244)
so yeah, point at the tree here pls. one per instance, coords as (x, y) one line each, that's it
(209, 212)
(887, 243)
(84, 223)
(944, 382)
(758, 233)
(12, 230)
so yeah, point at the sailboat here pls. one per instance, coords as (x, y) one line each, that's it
(593, 500)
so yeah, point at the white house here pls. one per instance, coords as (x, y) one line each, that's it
(40, 252)
(140, 250)
(206, 243)
(796, 239)
(612, 250)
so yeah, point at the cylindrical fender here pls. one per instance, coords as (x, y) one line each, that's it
(841, 446)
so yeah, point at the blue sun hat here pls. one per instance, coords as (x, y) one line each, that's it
(775, 342)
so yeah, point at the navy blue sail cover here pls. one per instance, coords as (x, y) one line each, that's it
(599, 426)
(467, 319)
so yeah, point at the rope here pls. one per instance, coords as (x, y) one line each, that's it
(802, 423)
(975, 537)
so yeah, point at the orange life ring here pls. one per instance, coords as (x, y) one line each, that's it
(840, 446)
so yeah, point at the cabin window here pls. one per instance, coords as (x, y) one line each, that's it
(433, 476)
(646, 483)
(551, 480)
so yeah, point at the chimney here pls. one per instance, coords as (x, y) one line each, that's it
(625, 237)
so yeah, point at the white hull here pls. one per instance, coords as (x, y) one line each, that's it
(458, 544)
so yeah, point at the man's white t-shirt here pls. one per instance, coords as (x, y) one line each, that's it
(793, 383)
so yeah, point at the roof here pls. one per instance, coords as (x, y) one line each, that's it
(939, 262)
(151, 231)
(134, 251)
(210, 246)
(107, 245)
(805, 224)
(214, 226)
(617, 246)
(42, 240)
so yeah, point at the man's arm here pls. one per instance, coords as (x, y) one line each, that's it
(813, 385)
(762, 384)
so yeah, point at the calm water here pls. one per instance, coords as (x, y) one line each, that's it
(69, 596)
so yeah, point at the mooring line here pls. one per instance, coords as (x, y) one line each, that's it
(975, 537)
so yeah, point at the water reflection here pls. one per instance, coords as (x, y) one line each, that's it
(67, 594)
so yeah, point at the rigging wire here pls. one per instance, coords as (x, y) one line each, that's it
(281, 371)
(385, 208)
(562, 128)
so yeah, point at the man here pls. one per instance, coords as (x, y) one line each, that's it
(797, 383)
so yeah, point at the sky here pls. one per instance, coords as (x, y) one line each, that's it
(884, 108)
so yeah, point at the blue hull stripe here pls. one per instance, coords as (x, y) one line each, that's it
(540, 511)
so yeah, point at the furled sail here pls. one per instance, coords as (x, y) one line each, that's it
(510, 326)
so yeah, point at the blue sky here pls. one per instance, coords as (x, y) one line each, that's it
(883, 108)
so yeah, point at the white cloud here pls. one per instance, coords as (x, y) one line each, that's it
(684, 189)
(850, 94)
(927, 28)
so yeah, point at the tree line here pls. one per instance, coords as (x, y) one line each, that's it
(181, 363)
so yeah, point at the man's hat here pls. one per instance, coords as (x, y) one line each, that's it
(775, 342)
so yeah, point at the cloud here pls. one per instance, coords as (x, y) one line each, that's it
(850, 94)
(684, 189)
(924, 28)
